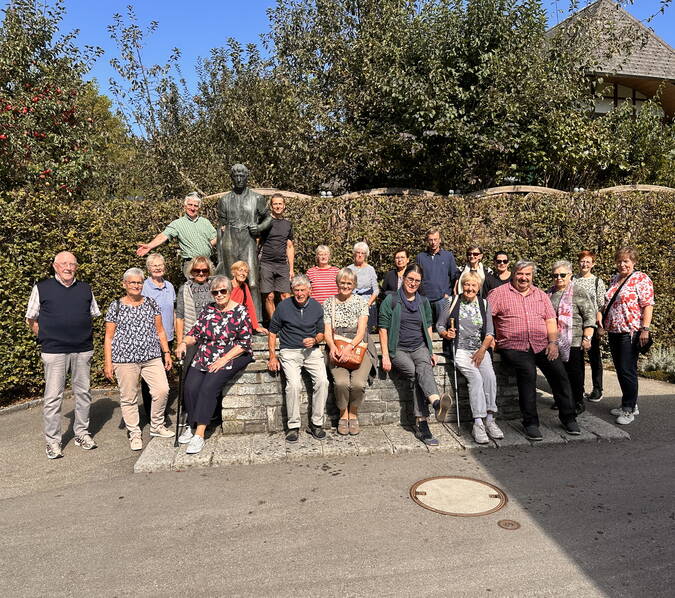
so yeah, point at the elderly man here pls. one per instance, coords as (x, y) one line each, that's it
(196, 235)
(298, 322)
(527, 337)
(440, 271)
(243, 216)
(59, 314)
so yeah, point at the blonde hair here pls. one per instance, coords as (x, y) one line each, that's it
(240, 264)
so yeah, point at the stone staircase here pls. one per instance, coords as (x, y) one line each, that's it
(254, 402)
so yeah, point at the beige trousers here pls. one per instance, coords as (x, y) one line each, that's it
(129, 381)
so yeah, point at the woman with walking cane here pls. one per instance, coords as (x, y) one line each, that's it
(470, 346)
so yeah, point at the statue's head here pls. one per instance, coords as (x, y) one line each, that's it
(239, 175)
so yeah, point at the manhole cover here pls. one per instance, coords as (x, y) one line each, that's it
(458, 496)
(508, 524)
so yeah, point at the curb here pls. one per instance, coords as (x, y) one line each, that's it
(20, 406)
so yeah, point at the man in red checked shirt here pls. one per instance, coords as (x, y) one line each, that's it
(527, 338)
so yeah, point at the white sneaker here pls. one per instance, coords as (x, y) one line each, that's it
(186, 436)
(493, 430)
(195, 445)
(136, 443)
(162, 432)
(618, 411)
(479, 434)
(625, 418)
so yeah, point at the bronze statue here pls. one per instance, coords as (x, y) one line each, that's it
(243, 216)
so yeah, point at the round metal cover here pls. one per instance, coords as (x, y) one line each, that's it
(508, 524)
(458, 496)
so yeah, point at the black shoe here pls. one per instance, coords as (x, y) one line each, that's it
(292, 435)
(572, 428)
(594, 396)
(317, 431)
(579, 408)
(425, 435)
(533, 432)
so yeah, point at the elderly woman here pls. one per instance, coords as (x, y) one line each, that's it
(366, 281)
(629, 304)
(135, 347)
(502, 273)
(466, 322)
(474, 257)
(322, 276)
(222, 337)
(162, 291)
(346, 315)
(241, 293)
(577, 318)
(394, 278)
(405, 337)
(596, 289)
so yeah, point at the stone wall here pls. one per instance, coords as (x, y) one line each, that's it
(255, 401)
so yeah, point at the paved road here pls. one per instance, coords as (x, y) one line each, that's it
(598, 519)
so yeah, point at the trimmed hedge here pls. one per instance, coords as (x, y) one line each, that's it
(104, 235)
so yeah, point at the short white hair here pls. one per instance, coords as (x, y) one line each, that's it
(132, 272)
(562, 264)
(300, 280)
(152, 258)
(362, 246)
(194, 196)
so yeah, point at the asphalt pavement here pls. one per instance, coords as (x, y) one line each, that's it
(596, 519)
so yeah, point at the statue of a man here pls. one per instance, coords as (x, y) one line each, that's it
(243, 216)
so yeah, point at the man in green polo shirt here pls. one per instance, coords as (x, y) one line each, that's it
(196, 235)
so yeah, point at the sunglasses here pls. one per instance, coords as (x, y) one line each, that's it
(200, 270)
(501, 261)
(473, 253)
(216, 292)
(563, 275)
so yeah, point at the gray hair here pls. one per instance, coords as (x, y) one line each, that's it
(152, 258)
(194, 195)
(132, 272)
(300, 280)
(346, 273)
(322, 248)
(521, 264)
(221, 279)
(562, 264)
(362, 246)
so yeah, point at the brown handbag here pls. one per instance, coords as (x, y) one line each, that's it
(358, 352)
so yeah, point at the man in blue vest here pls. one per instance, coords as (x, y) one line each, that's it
(59, 314)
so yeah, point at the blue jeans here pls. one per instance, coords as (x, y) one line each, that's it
(625, 348)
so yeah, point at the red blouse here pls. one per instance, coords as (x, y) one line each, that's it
(246, 300)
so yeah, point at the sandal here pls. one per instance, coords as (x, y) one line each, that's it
(354, 428)
(343, 427)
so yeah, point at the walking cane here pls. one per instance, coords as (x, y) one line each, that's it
(179, 400)
(454, 372)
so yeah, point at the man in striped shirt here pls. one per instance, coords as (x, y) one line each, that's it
(527, 338)
(196, 235)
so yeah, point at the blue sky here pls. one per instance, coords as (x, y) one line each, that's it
(196, 26)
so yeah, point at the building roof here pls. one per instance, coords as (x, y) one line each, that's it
(648, 56)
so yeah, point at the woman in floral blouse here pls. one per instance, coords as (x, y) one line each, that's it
(627, 322)
(223, 338)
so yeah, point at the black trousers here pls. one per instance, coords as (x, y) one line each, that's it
(575, 372)
(525, 364)
(625, 348)
(595, 360)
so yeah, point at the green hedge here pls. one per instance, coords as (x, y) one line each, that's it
(104, 234)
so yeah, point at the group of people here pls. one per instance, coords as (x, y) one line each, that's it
(212, 318)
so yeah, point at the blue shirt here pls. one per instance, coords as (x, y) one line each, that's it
(293, 322)
(165, 298)
(440, 271)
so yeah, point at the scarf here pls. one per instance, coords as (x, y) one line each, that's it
(565, 321)
(411, 306)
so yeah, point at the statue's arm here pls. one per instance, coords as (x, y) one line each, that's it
(264, 218)
(222, 211)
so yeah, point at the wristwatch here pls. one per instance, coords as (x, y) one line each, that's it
(647, 328)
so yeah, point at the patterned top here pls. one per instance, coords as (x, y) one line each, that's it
(345, 314)
(588, 285)
(470, 325)
(520, 321)
(218, 331)
(584, 314)
(625, 315)
(135, 339)
(323, 282)
(366, 280)
(194, 236)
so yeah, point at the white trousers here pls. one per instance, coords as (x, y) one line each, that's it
(481, 380)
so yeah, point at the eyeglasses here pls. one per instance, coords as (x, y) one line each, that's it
(133, 282)
(413, 280)
(67, 264)
(501, 261)
(216, 292)
(200, 270)
(562, 275)
(473, 253)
